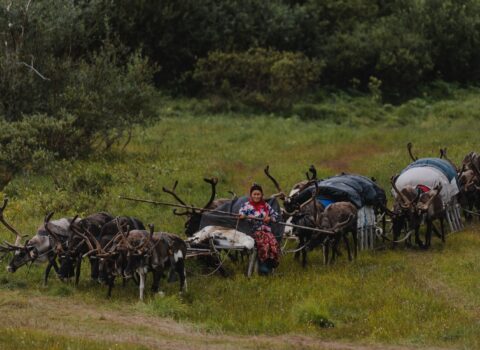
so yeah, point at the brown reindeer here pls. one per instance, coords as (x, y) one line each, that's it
(411, 205)
(303, 208)
(141, 251)
(340, 218)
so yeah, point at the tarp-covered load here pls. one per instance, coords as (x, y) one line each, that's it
(245, 226)
(430, 172)
(357, 189)
(444, 166)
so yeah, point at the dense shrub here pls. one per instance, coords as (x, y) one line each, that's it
(33, 142)
(66, 89)
(265, 78)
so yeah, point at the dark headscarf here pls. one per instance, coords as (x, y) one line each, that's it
(256, 187)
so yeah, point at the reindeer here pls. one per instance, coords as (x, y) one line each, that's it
(141, 251)
(42, 247)
(411, 205)
(71, 257)
(77, 245)
(301, 209)
(194, 217)
(340, 218)
(469, 183)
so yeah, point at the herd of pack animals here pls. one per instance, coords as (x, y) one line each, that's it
(123, 247)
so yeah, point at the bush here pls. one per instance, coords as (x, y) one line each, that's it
(33, 142)
(267, 79)
(63, 92)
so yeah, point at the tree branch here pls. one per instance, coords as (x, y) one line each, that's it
(33, 69)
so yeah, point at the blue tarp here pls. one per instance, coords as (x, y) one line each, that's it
(437, 163)
(357, 189)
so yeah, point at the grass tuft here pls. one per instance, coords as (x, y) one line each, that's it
(166, 306)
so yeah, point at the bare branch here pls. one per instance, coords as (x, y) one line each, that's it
(33, 69)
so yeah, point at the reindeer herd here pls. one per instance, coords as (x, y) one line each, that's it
(317, 213)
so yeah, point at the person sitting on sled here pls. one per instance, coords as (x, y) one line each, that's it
(267, 246)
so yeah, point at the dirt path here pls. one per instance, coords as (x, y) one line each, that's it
(66, 317)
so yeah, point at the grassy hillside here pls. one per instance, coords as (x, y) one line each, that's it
(406, 297)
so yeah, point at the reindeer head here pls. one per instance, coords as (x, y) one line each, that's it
(140, 243)
(23, 253)
(293, 203)
(194, 216)
(430, 199)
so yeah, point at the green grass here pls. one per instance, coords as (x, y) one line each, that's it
(19, 339)
(405, 297)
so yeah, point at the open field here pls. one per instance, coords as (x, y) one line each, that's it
(403, 298)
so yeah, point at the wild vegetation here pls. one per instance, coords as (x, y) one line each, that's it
(406, 296)
(100, 99)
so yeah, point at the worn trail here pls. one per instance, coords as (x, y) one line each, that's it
(77, 319)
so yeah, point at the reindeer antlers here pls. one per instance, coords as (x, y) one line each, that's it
(406, 203)
(280, 193)
(313, 171)
(173, 193)
(18, 236)
(409, 148)
(213, 182)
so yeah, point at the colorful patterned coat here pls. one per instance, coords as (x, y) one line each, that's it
(248, 209)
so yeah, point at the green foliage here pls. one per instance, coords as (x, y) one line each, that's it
(167, 306)
(426, 299)
(259, 77)
(33, 143)
(61, 94)
(402, 42)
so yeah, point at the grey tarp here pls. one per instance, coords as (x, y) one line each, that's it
(440, 164)
(245, 226)
(357, 189)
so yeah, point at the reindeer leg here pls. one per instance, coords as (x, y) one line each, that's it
(442, 230)
(93, 269)
(384, 226)
(428, 234)
(301, 242)
(417, 237)
(435, 230)
(347, 245)
(53, 261)
(111, 282)
(180, 268)
(78, 267)
(141, 286)
(47, 272)
(334, 251)
(325, 253)
(355, 242)
(156, 281)
(304, 257)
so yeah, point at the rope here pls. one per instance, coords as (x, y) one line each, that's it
(470, 212)
(409, 233)
(294, 250)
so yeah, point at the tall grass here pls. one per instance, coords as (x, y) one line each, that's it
(397, 297)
